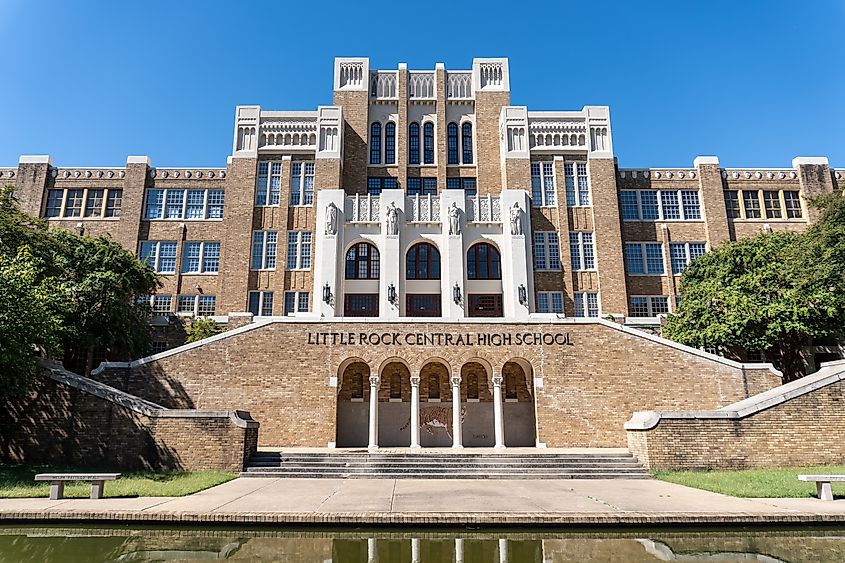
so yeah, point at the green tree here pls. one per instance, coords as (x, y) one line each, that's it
(773, 293)
(201, 327)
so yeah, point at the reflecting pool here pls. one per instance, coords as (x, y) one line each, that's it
(72, 544)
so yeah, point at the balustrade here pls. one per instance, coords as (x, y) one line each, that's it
(363, 208)
(423, 208)
(483, 209)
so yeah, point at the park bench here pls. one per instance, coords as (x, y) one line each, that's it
(823, 484)
(57, 482)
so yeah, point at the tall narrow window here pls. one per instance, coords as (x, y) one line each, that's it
(200, 257)
(390, 143)
(428, 143)
(299, 250)
(484, 262)
(751, 201)
(414, 143)
(264, 250)
(301, 184)
(375, 143)
(546, 251)
(583, 185)
(793, 205)
(94, 203)
(452, 143)
(466, 141)
(581, 250)
(54, 203)
(542, 184)
(422, 262)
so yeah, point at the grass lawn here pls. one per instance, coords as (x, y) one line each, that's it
(16, 481)
(756, 483)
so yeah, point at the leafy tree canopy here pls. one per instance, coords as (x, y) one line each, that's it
(201, 327)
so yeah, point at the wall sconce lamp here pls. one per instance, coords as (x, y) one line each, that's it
(523, 295)
(327, 294)
(456, 293)
(80, 228)
(391, 294)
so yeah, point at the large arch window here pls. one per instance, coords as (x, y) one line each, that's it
(484, 262)
(452, 143)
(414, 143)
(428, 143)
(362, 262)
(390, 143)
(375, 143)
(466, 140)
(422, 262)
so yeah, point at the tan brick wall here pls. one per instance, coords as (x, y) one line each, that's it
(608, 236)
(589, 388)
(803, 431)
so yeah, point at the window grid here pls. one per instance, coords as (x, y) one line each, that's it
(583, 185)
(362, 262)
(792, 203)
(375, 143)
(550, 302)
(302, 184)
(296, 302)
(162, 303)
(586, 304)
(546, 251)
(682, 253)
(175, 204)
(771, 199)
(261, 303)
(375, 184)
(581, 251)
(778, 204)
(660, 205)
(201, 257)
(94, 203)
(466, 141)
(644, 258)
(197, 305)
(542, 184)
(88, 203)
(160, 256)
(390, 143)
(414, 143)
(428, 143)
(452, 143)
(299, 250)
(648, 306)
(751, 204)
(264, 246)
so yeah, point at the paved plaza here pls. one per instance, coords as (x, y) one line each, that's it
(405, 501)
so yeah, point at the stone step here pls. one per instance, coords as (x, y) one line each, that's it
(454, 466)
(443, 458)
(468, 476)
(416, 470)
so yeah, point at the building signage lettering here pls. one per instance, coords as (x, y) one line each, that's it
(438, 339)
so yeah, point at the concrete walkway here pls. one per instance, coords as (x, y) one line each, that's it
(476, 502)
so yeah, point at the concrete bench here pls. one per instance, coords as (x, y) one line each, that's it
(57, 482)
(823, 482)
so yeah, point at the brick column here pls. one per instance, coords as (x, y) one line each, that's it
(814, 176)
(711, 192)
(236, 241)
(608, 236)
(32, 180)
(132, 208)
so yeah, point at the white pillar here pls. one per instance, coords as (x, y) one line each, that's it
(503, 550)
(374, 381)
(457, 434)
(498, 419)
(415, 411)
(459, 550)
(415, 550)
(372, 555)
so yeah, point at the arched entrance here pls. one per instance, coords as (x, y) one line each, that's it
(477, 395)
(394, 406)
(435, 406)
(518, 408)
(353, 405)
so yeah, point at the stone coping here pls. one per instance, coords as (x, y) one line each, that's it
(57, 372)
(424, 519)
(261, 322)
(830, 373)
(830, 478)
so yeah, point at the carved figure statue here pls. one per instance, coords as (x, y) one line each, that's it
(331, 219)
(516, 219)
(454, 219)
(392, 219)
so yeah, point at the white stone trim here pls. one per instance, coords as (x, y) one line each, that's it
(139, 160)
(35, 159)
(831, 372)
(816, 160)
(699, 160)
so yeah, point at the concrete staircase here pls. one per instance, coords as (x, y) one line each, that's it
(361, 464)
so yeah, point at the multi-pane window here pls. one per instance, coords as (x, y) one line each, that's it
(269, 183)
(549, 302)
(777, 204)
(375, 184)
(161, 304)
(264, 245)
(466, 141)
(199, 305)
(422, 186)
(751, 204)
(428, 143)
(89, 203)
(375, 143)
(296, 302)
(542, 184)
(201, 257)
(581, 250)
(452, 143)
(261, 303)
(422, 262)
(576, 185)
(793, 205)
(362, 262)
(160, 256)
(644, 258)
(586, 304)
(660, 205)
(648, 306)
(546, 250)
(183, 204)
(414, 143)
(469, 185)
(390, 143)
(484, 262)
(682, 253)
(299, 250)
(302, 183)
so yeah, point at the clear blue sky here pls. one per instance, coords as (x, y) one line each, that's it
(753, 82)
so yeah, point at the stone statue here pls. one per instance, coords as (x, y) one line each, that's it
(392, 219)
(516, 219)
(331, 218)
(454, 219)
